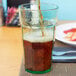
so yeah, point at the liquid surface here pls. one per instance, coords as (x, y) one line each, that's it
(36, 36)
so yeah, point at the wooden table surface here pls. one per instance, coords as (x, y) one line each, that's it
(11, 51)
(11, 54)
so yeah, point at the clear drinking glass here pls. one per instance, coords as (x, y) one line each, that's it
(38, 31)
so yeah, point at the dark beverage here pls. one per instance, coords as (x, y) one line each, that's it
(37, 51)
(38, 55)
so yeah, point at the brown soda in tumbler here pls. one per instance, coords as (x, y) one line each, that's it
(38, 36)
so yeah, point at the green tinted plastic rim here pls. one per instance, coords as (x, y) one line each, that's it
(38, 72)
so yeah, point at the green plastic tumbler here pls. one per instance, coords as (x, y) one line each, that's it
(38, 31)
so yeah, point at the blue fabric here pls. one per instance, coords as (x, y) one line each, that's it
(68, 57)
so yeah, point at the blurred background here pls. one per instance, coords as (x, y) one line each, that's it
(66, 11)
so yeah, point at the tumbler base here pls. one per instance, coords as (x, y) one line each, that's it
(38, 72)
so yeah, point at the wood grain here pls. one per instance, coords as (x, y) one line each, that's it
(58, 69)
